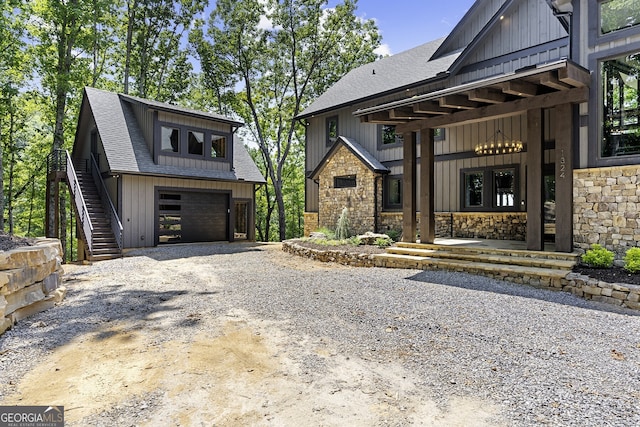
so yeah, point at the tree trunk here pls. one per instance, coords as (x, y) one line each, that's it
(131, 13)
(12, 162)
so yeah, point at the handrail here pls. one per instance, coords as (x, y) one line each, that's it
(116, 225)
(81, 207)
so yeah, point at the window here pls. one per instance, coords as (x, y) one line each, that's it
(621, 106)
(332, 130)
(438, 134)
(170, 139)
(241, 228)
(392, 192)
(196, 142)
(346, 181)
(218, 146)
(618, 14)
(490, 189)
(388, 136)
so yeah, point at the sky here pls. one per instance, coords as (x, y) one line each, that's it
(405, 24)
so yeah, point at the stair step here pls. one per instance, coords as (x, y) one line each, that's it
(495, 251)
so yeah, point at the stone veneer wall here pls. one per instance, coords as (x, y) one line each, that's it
(606, 207)
(310, 223)
(393, 221)
(360, 200)
(30, 281)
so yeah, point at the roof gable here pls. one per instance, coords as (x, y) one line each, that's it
(357, 150)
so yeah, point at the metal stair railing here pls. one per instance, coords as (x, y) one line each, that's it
(116, 225)
(78, 198)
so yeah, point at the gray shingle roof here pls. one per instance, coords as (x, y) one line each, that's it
(383, 76)
(358, 150)
(127, 152)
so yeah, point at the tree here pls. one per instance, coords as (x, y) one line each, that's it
(281, 66)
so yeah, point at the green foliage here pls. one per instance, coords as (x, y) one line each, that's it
(394, 234)
(342, 226)
(632, 260)
(383, 242)
(598, 257)
(327, 232)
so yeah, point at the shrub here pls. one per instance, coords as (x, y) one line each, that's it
(394, 235)
(342, 227)
(632, 260)
(598, 257)
(383, 242)
(327, 232)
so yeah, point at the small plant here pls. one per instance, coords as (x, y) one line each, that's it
(598, 257)
(394, 234)
(632, 260)
(342, 227)
(355, 241)
(327, 232)
(383, 242)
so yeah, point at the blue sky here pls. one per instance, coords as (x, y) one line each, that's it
(408, 23)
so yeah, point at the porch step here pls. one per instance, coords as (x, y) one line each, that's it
(545, 269)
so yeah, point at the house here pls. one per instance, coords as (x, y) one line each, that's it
(144, 173)
(522, 124)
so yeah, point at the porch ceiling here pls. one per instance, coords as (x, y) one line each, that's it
(542, 86)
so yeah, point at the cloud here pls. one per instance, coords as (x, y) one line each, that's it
(383, 50)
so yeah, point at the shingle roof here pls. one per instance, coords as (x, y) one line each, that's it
(358, 150)
(385, 75)
(127, 152)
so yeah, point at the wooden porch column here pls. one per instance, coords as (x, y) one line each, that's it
(535, 180)
(564, 178)
(409, 187)
(427, 218)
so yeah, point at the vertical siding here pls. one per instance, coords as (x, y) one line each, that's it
(138, 203)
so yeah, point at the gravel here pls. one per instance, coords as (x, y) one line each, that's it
(543, 357)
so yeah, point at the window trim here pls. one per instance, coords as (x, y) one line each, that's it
(595, 36)
(183, 151)
(381, 145)
(488, 188)
(328, 121)
(386, 205)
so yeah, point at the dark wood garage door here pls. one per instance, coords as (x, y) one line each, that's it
(185, 217)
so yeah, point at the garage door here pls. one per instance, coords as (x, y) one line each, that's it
(185, 217)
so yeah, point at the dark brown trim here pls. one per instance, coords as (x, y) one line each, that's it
(535, 180)
(409, 205)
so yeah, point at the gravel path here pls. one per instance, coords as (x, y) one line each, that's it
(318, 344)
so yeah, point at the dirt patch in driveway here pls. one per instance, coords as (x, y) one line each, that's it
(237, 370)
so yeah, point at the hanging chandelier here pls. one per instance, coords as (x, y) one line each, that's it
(499, 143)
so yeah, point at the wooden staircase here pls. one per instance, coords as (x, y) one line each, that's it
(537, 268)
(104, 244)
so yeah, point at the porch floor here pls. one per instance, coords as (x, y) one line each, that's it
(490, 243)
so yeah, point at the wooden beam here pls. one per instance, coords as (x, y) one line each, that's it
(549, 79)
(520, 88)
(406, 113)
(382, 117)
(427, 192)
(487, 95)
(535, 180)
(495, 111)
(430, 107)
(564, 178)
(574, 76)
(458, 102)
(409, 187)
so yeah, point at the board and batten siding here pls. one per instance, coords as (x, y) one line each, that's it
(138, 203)
(144, 117)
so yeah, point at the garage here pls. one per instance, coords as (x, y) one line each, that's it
(192, 216)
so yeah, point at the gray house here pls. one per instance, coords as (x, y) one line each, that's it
(522, 124)
(144, 173)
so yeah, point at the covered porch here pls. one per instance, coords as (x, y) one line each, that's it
(557, 87)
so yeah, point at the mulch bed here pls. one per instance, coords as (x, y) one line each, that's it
(610, 275)
(8, 242)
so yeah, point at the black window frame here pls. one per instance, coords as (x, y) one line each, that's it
(387, 205)
(328, 123)
(345, 181)
(488, 189)
(183, 149)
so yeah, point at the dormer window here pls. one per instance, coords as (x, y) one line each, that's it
(218, 146)
(170, 139)
(196, 143)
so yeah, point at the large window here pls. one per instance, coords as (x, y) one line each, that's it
(218, 146)
(490, 189)
(170, 139)
(332, 130)
(621, 106)
(196, 143)
(187, 141)
(618, 14)
(392, 192)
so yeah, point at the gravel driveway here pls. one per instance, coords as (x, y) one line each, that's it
(245, 334)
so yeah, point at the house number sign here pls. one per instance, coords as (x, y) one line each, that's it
(563, 165)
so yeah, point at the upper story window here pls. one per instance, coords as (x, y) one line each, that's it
(387, 137)
(170, 139)
(621, 106)
(618, 14)
(191, 142)
(332, 130)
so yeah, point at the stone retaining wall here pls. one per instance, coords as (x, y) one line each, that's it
(606, 207)
(30, 281)
(620, 294)
(354, 259)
